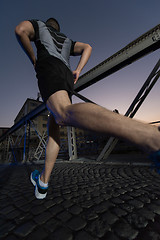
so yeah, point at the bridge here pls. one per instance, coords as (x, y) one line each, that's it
(145, 44)
(87, 199)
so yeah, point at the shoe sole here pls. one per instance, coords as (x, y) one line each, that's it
(39, 195)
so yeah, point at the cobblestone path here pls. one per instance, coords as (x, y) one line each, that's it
(85, 201)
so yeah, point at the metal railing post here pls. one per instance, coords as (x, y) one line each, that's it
(24, 148)
(72, 147)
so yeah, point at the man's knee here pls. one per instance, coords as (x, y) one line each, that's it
(58, 104)
(62, 116)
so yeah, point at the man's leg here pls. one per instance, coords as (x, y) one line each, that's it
(40, 181)
(52, 149)
(98, 119)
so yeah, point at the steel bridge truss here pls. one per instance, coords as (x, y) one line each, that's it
(145, 44)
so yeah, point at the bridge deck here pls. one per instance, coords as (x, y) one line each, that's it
(85, 201)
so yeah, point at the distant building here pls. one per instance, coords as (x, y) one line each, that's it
(40, 122)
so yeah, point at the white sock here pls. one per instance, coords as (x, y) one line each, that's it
(42, 184)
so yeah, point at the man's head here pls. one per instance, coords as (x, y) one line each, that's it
(54, 23)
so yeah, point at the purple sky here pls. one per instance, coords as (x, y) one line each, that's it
(106, 25)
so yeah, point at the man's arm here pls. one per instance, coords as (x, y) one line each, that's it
(25, 34)
(84, 50)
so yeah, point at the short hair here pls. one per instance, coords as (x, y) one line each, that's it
(54, 23)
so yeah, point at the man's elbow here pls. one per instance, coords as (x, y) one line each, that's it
(89, 47)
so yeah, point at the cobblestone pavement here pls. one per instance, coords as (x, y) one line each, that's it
(85, 201)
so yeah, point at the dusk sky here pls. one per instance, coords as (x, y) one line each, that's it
(106, 25)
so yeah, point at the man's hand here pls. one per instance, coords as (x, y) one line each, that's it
(76, 74)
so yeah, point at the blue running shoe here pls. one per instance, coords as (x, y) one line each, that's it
(155, 157)
(40, 192)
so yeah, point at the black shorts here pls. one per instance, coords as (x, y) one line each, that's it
(53, 75)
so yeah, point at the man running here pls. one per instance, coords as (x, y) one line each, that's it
(56, 82)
